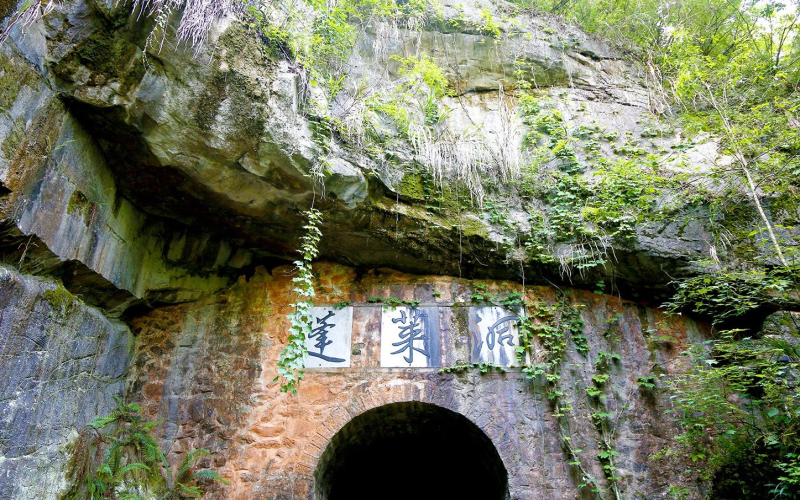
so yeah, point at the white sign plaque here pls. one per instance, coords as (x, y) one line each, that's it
(328, 343)
(410, 337)
(494, 335)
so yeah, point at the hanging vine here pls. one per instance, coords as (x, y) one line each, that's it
(292, 358)
(554, 326)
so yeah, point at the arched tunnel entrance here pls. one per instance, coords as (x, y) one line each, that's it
(410, 450)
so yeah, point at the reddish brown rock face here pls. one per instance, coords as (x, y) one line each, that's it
(207, 368)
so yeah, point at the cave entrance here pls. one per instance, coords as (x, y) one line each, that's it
(410, 450)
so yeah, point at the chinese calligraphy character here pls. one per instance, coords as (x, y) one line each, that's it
(494, 335)
(500, 331)
(320, 333)
(410, 337)
(412, 330)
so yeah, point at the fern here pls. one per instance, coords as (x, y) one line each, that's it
(188, 462)
(116, 456)
(210, 474)
(184, 483)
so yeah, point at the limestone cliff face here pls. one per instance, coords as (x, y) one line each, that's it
(62, 363)
(163, 189)
(205, 159)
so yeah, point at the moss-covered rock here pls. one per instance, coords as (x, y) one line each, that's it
(14, 75)
(411, 187)
(13, 138)
(60, 299)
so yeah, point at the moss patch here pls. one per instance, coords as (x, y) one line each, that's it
(418, 185)
(12, 140)
(245, 115)
(107, 57)
(6, 8)
(80, 204)
(35, 147)
(60, 299)
(738, 218)
(239, 48)
(411, 187)
(786, 209)
(253, 51)
(209, 101)
(14, 75)
(472, 227)
(236, 88)
(104, 54)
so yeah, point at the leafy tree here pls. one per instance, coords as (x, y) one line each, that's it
(740, 409)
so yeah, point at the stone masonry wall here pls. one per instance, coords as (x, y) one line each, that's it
(207, 369)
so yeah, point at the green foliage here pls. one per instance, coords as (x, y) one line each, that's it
(606, 359)
(483, 368)
(186, 482)
(646, 381)
(726, 295)
(497, 213)
(292, 357)
(320, 35)
(733, 68)
(116, 457)
(617, 197)
(678, 492)
(489, 26)
(552, 325)
(604, 420)
(623, 193)
(416, 94)
(565, 195)
(588, 197)
(740, 408)
(548, 130)
(514, 299)
(130, 464)
(422, 70)
(394, 302)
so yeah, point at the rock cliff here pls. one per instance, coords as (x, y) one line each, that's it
(206, 158)
(161, 187)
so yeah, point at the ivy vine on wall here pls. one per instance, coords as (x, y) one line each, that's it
(292, 358)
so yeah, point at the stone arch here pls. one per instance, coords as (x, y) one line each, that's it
(489, 411)
(400, 447)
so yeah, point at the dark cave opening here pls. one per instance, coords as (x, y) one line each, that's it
(410, 450)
